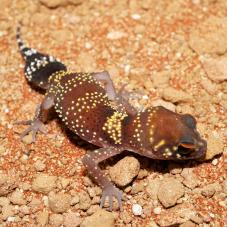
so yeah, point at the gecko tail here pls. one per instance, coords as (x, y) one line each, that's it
(20, 43)
(38, 67)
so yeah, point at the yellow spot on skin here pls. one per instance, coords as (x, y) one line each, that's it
(113, 126)
(161, 143)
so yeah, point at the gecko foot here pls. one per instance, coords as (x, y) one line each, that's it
(111, 191)
(35, 127)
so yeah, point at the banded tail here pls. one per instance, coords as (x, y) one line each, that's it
(38, 67)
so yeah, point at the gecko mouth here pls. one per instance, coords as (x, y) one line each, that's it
(191, 151)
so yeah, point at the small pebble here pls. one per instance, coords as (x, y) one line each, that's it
(157, 210)
(136, 16)
(137, 209)
(215, 162)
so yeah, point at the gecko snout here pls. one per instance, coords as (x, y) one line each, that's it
(193, 150)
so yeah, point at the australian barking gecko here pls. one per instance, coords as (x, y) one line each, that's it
(89, 106)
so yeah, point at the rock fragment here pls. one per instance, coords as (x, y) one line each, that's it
(71, 220)
(39, 165)
(214, 146)
(17, 198)
(167, 105)
(170, 191)
(210, 189)
(59, 202)
(84, 200)
(176, 215)
(216, 70)
(7, 184)
(4, 201)
(57, 3)
(7, 211)
(188, 224)
(190, 179)
(176, 96)
(210, 37)
(123, 172)
(98, 219)
(152, 188)
(42, 218)
(44, 183)
(56, 220)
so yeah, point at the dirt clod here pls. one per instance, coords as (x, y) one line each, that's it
(214, 146)
(17, 198)
(7, 184)
(57, 3)
(98, 219)
(190, 179)
(60, 202)
(169, 191)
(216, 69)
(210, 36)
(71, 220)
(124, 171)
(56, 220)
(44, 183)
(42, 218)
(84, 200)
(176, 96)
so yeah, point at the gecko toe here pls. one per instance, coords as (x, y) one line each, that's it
(34, 127)
(111, 192)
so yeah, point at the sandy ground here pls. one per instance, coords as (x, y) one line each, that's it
(172, 53)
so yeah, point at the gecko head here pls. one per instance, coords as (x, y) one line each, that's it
(174, 136)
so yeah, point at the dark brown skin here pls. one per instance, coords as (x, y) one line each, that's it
(90, 107)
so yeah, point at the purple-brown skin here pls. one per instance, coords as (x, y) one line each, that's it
(89, 106)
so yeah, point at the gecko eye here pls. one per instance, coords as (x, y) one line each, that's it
(189, 120)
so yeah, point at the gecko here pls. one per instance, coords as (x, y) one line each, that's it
(88, 104)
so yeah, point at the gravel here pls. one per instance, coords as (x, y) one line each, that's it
(171, 54)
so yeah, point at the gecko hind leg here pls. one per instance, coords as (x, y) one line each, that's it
(91, 160)
(111, 92)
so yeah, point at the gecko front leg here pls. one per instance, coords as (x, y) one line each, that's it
(37, 124)
(91, 161)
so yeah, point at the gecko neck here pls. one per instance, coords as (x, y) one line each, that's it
(133, 131)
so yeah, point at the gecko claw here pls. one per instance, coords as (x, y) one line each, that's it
(110, 192)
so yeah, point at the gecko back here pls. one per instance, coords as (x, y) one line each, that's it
(38, 67)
